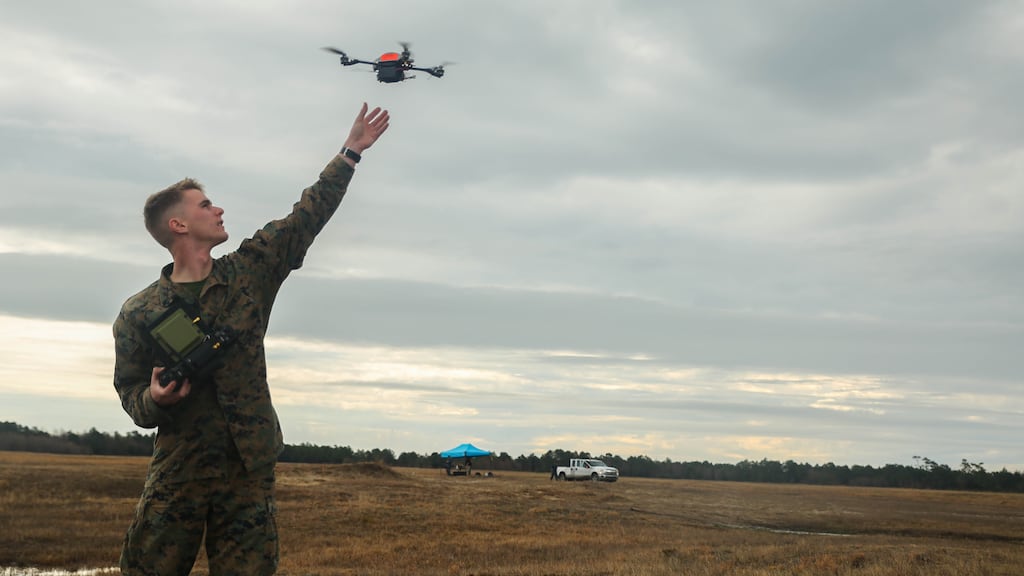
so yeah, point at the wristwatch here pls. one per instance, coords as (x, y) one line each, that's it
(350, 153)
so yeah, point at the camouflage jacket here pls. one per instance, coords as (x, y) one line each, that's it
(229, 413)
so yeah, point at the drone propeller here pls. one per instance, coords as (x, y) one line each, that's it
(336, 51)
(439, 69)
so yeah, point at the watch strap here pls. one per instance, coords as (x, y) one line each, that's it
(350, 153)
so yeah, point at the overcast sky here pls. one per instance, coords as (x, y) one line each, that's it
(681, 229)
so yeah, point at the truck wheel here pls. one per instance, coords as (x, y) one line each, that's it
(593, 477)
(561, 476)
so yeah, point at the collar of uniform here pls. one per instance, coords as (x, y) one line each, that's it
(169, 290)
(216, 275)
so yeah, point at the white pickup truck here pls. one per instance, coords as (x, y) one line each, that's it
(587, 469)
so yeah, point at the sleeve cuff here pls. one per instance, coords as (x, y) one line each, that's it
(154, 412)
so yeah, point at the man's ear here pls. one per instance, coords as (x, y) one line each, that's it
(177, 225)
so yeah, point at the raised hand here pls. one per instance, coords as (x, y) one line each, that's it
(367, 128)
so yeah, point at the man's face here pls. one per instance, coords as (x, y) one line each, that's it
(203, 220)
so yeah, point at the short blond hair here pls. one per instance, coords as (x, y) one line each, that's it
(158, 207)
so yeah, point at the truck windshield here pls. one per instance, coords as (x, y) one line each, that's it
(595, 462)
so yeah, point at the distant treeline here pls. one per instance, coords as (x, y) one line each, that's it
(924, 473)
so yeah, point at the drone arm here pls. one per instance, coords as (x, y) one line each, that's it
(437, 71)
(352, 61)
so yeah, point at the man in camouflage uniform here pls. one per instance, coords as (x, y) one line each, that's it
(218, 437)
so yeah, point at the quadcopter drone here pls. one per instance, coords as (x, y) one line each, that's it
(391, 66)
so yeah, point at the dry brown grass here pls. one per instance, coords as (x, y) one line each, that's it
(71, 512)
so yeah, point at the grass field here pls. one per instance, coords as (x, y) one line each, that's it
(70, 512)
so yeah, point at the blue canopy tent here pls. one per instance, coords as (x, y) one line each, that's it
(466, 451)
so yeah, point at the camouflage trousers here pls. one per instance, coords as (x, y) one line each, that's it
(237, 514)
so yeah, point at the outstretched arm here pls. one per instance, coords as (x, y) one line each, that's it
(366, 129)
(281, 245)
